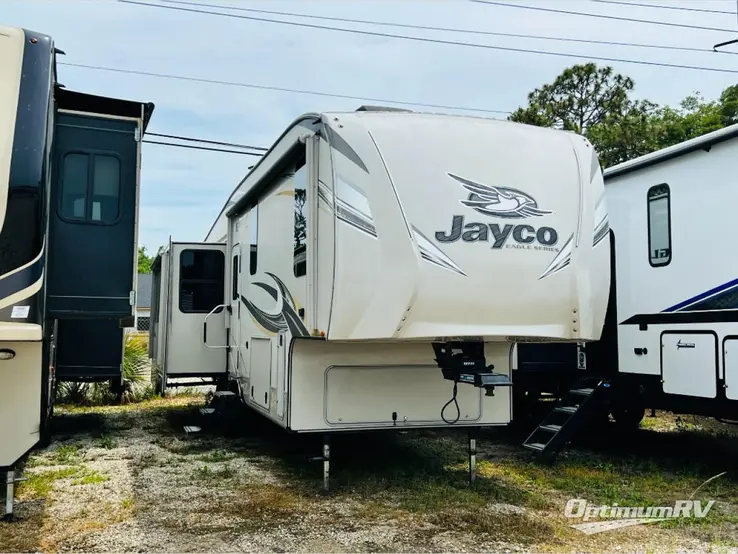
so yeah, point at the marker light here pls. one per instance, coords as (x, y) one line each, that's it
(6, 354)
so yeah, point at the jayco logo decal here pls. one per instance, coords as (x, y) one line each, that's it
(504, 203)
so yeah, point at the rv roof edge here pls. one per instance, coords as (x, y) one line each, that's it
(671, 152)
(104, 105)
(313, 117)
(369, 108)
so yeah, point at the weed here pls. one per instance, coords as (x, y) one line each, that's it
(216, 456)
(67, 454)
(108, 442)
(40, 484)
(205, 472)
(91, 478)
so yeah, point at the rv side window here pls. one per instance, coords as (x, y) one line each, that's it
(90, 188)
(234, 277)
(659, 225)
(254, 230)
(200, 280)
(74, 186)
(299, 265)
(105, 189)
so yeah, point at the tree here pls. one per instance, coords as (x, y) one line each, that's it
(627, 136)
(144, 260)
(595, 102)
(582, 96)
(729, 105)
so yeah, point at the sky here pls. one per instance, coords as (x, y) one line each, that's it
(183, 190)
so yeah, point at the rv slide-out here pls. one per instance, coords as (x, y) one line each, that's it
(371, 259)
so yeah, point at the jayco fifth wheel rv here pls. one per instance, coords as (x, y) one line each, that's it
(672, 340)
(69, 173)
(368, 249)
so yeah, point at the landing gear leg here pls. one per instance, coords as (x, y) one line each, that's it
(326, 462)
(472, 454)
(9, 493)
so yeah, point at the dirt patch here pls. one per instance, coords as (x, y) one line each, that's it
(128, 479)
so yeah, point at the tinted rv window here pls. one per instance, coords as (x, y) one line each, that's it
(300, 241)
(234, 277)
(74, 186)
(80, 201)
(659, 225)
(105, 189)
(200, 280)
(254, 230)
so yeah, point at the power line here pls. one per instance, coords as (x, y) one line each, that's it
(203, 148)
(440, 41)
(192, 139)
(451, 29)
(678, 8)
(280, 89)
(602, 16)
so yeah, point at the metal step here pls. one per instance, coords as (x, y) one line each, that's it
(224, 393)
(551, 428)
(207, 411)
(590, 393)
(189, 429)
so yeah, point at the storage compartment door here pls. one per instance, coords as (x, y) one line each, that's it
(92, 224)
(260, 362)
(730, 355)
(381, 395)
(689, 364)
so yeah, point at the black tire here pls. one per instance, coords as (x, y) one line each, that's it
(629, 409)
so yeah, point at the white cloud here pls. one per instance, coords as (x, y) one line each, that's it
(184, 190)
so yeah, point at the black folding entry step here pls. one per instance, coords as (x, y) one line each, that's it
(585, 400)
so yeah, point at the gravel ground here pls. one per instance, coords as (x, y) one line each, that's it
(128, 479)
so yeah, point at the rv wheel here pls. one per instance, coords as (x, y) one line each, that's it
(628, 414)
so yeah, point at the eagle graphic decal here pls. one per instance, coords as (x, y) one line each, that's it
(507, 203)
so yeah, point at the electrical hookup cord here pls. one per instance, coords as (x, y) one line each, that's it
(456, 403)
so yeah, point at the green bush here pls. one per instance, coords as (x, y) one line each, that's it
(136, 379)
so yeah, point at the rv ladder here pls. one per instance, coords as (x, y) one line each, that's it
(585, 400)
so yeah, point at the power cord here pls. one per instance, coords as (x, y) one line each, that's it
(454, 401)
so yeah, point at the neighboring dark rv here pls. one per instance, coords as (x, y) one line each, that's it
(68, 233)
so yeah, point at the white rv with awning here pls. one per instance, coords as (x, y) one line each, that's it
(373, 260)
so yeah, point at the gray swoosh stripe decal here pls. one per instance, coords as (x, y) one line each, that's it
(563, 258)
(340, 145)
(286, 320)
(364, 223)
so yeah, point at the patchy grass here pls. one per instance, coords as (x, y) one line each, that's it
(217, 456)
(254, 482)
(107, 442)
(92, 478)
(67, 454)
(40, 484)
(205, 472)
(154, 404)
